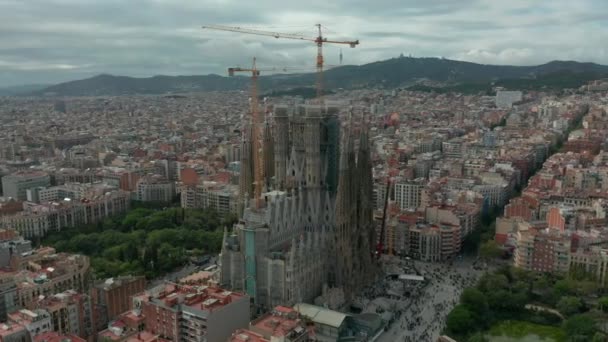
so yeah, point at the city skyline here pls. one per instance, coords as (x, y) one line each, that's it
(53, 41)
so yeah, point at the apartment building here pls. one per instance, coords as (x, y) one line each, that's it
(14, 246)
(244, 335)
(122, 178)
(10, 207)
(38, 219)
(71, 175)
(128, 326)
(53, 336)
(70, 313)
(496, 195)
(155, 189)
(542, 250)
(408, 193)
(506, 98)
(74, 191)
(8, 295)
(592, 261)
(218, 196)
(112, 297)
(36, 321)
(192, 313)
(16, 185)
(46, 272)
(14, 333)
(454, 148)
(283, 324)
(464, 215)
(431, 242)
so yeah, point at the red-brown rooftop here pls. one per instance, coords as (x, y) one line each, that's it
(200, 297)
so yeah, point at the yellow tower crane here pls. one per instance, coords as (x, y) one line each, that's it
(257, 126)
(256, 130)
(319, 41)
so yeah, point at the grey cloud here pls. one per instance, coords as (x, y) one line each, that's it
(405, 35)
(44, 41)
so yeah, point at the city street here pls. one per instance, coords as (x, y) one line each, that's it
(422, 316)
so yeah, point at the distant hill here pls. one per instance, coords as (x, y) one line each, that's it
(389, 73)
(103, 85)
(23, 89)
(557, 80)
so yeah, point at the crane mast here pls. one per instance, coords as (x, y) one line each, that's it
(319, 41)
(256, 130)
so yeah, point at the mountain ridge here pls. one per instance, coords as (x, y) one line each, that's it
(394, 72)
(21, 89)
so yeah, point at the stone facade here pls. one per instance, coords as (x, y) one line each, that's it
(279, 253)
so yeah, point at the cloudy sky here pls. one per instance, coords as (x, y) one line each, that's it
(48, 41)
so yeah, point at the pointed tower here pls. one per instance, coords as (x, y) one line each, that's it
(312, 138)
(246, 172)
(269, 171)
(342, 273)
(365, 227)
(281, 146)
(332, 149)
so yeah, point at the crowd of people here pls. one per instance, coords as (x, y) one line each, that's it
(420, 314)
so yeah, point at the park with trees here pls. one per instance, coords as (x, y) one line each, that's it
(517, 303)
(145, 241)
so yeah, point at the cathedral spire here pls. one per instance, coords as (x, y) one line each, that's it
(246, 172)
(366, 232)
(269, 165)
(343, 233)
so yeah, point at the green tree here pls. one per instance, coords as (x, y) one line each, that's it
(144, 241)
(564, 287)
(460, 320)
(109, 224)
(542, 284)
(142, 224)
(171, 257)
(580, 327)
(522, 275)
(113, 253)
(489, 250)
(474, 300)
(229, 219)
(162, 235)
(505, 301)
(110, 238)
(478, 337)
(508, 271)
(89, 243)
(602, 304)
(133, 217)
(492, 282)
(569, 306)
(586, 287)
(159, 221)
(130, 251)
